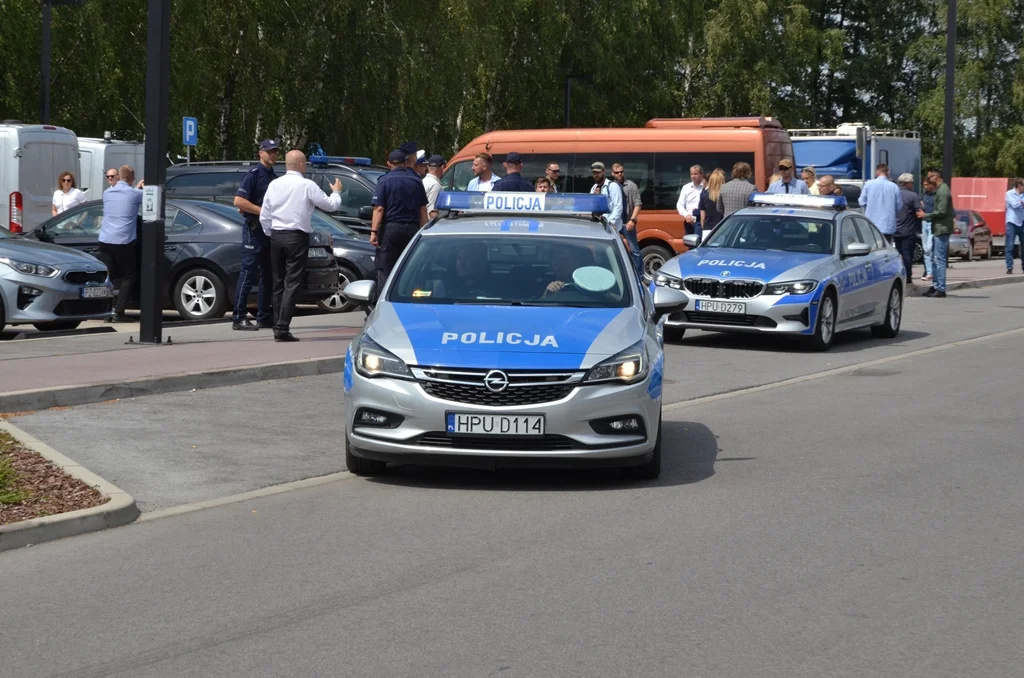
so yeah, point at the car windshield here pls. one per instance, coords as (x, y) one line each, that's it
(322, 222)
(372, 175)
(513, 270)
(773, 232)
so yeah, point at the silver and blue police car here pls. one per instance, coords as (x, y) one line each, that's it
(797, 265)
(512, 332)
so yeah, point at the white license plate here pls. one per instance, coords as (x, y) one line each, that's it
(495, 424)
(721, 306)
(101, 292)
(318, 253)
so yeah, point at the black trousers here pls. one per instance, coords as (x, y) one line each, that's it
(905, 246)
(289, 251)
(123, 268)
(393, 242)
(256, 270)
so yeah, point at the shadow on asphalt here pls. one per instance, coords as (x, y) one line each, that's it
(845, 342)
(689, 452)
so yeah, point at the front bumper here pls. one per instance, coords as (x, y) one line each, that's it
(958, 245)
(321, 282)
(768, 314)
(58, 299)
(569, 440)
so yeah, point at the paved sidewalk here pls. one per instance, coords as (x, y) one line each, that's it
(969, 274)
(72, 370)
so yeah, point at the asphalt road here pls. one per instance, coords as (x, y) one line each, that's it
(863, 523)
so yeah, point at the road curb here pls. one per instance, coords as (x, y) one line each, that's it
(120, 509)
(920, 289)
(66, 396)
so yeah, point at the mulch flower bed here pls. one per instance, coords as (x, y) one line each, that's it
(32, 487)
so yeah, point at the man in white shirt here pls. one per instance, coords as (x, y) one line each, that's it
(689, 200)
(483, 179)
(285, 216)
(432, 182)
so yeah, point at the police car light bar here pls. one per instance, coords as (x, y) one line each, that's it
(497, 201)
(339, 160)
(833, 202)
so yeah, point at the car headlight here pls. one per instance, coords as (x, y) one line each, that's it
(373, 360)
(29, 268)
(794, 287)
(629, 366)
(665, 280)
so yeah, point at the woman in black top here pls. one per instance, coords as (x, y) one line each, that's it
(711, 207)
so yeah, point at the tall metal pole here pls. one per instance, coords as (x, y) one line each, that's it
(947, 136)
(158, 69)
(45, 66)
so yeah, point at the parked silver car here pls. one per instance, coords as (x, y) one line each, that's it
(48, 286)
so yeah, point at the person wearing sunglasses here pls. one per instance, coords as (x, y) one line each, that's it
(553, 172)
(787, 182)
(67, 194)
(113, 176)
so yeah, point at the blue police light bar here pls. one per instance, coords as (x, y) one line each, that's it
(497, 201)
(339, 160)
(832, 202)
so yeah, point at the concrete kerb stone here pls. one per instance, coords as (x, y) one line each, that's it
(919, 290)
(119, 509)
(67, 396)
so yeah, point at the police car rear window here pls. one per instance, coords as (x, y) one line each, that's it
(513, 270)
(774, 232)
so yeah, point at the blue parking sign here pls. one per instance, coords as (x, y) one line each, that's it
(189, 131)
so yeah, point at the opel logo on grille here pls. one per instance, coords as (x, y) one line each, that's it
(496, 381)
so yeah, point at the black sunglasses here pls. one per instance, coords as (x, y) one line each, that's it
(111, 176)
(66, 180)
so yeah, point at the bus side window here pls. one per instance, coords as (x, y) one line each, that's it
(456, 177)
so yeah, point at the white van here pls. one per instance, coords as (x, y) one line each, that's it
(31, 158)
(99, 155)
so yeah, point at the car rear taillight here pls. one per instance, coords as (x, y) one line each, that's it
(956, 230)
(14, 221)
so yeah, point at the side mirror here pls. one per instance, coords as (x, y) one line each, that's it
(668, 301)
(365, 213)
(692, 241)
(857, 249)
(359, 291)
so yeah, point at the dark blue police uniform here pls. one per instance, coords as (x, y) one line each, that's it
(256, 266)
(400, 192)
(514, 181)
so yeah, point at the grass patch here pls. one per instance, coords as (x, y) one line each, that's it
(9, 493)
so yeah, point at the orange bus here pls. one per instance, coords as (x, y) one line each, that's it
(657, 157)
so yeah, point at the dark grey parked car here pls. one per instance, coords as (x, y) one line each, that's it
(202, 254)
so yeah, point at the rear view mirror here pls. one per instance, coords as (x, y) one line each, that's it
(365, 213)
(692, 241)
(857, 249)
(668, 301)
(359, 291)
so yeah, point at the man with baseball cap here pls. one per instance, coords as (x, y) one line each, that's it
(513, 180)
(399, 210)
(432, 182)
(256, 263)
(789, 183)
(605, 186)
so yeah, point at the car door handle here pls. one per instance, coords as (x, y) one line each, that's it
(91, 249)
(170, 248)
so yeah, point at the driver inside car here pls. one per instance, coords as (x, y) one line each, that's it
(564, 263)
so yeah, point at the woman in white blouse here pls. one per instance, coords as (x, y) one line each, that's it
(67, 195)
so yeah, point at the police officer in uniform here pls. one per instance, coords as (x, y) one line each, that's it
(513, 180)
(256, 268)
(399, 210)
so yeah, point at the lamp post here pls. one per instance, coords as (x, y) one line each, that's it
(568, 91)
(947, 134)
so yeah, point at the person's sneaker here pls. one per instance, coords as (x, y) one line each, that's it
(286, 337)
(930, 292)
(266, 325)
(939, 295)
(244, 326)
(1009, 271)
(927, 278)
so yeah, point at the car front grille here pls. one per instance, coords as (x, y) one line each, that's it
(735, 319)
(83, 307)
(83, 277)
(524, 388)
(723, 289)
(545, 443)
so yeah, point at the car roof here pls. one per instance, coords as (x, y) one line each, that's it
(499, 224)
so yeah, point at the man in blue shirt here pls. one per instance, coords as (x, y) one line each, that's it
(1014, 222)
(605, 186)
(514, 180)
(121, 203)
(789, 183)
(880, 199)
(399, 210)
(256, 262)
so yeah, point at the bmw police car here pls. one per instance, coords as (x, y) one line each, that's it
(513, 331)
(789, 264)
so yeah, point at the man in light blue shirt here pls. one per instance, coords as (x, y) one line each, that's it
(483, 178)
(121, 205)
(789, 183)
(880, 199)
(1014, 223)
(604, 186)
